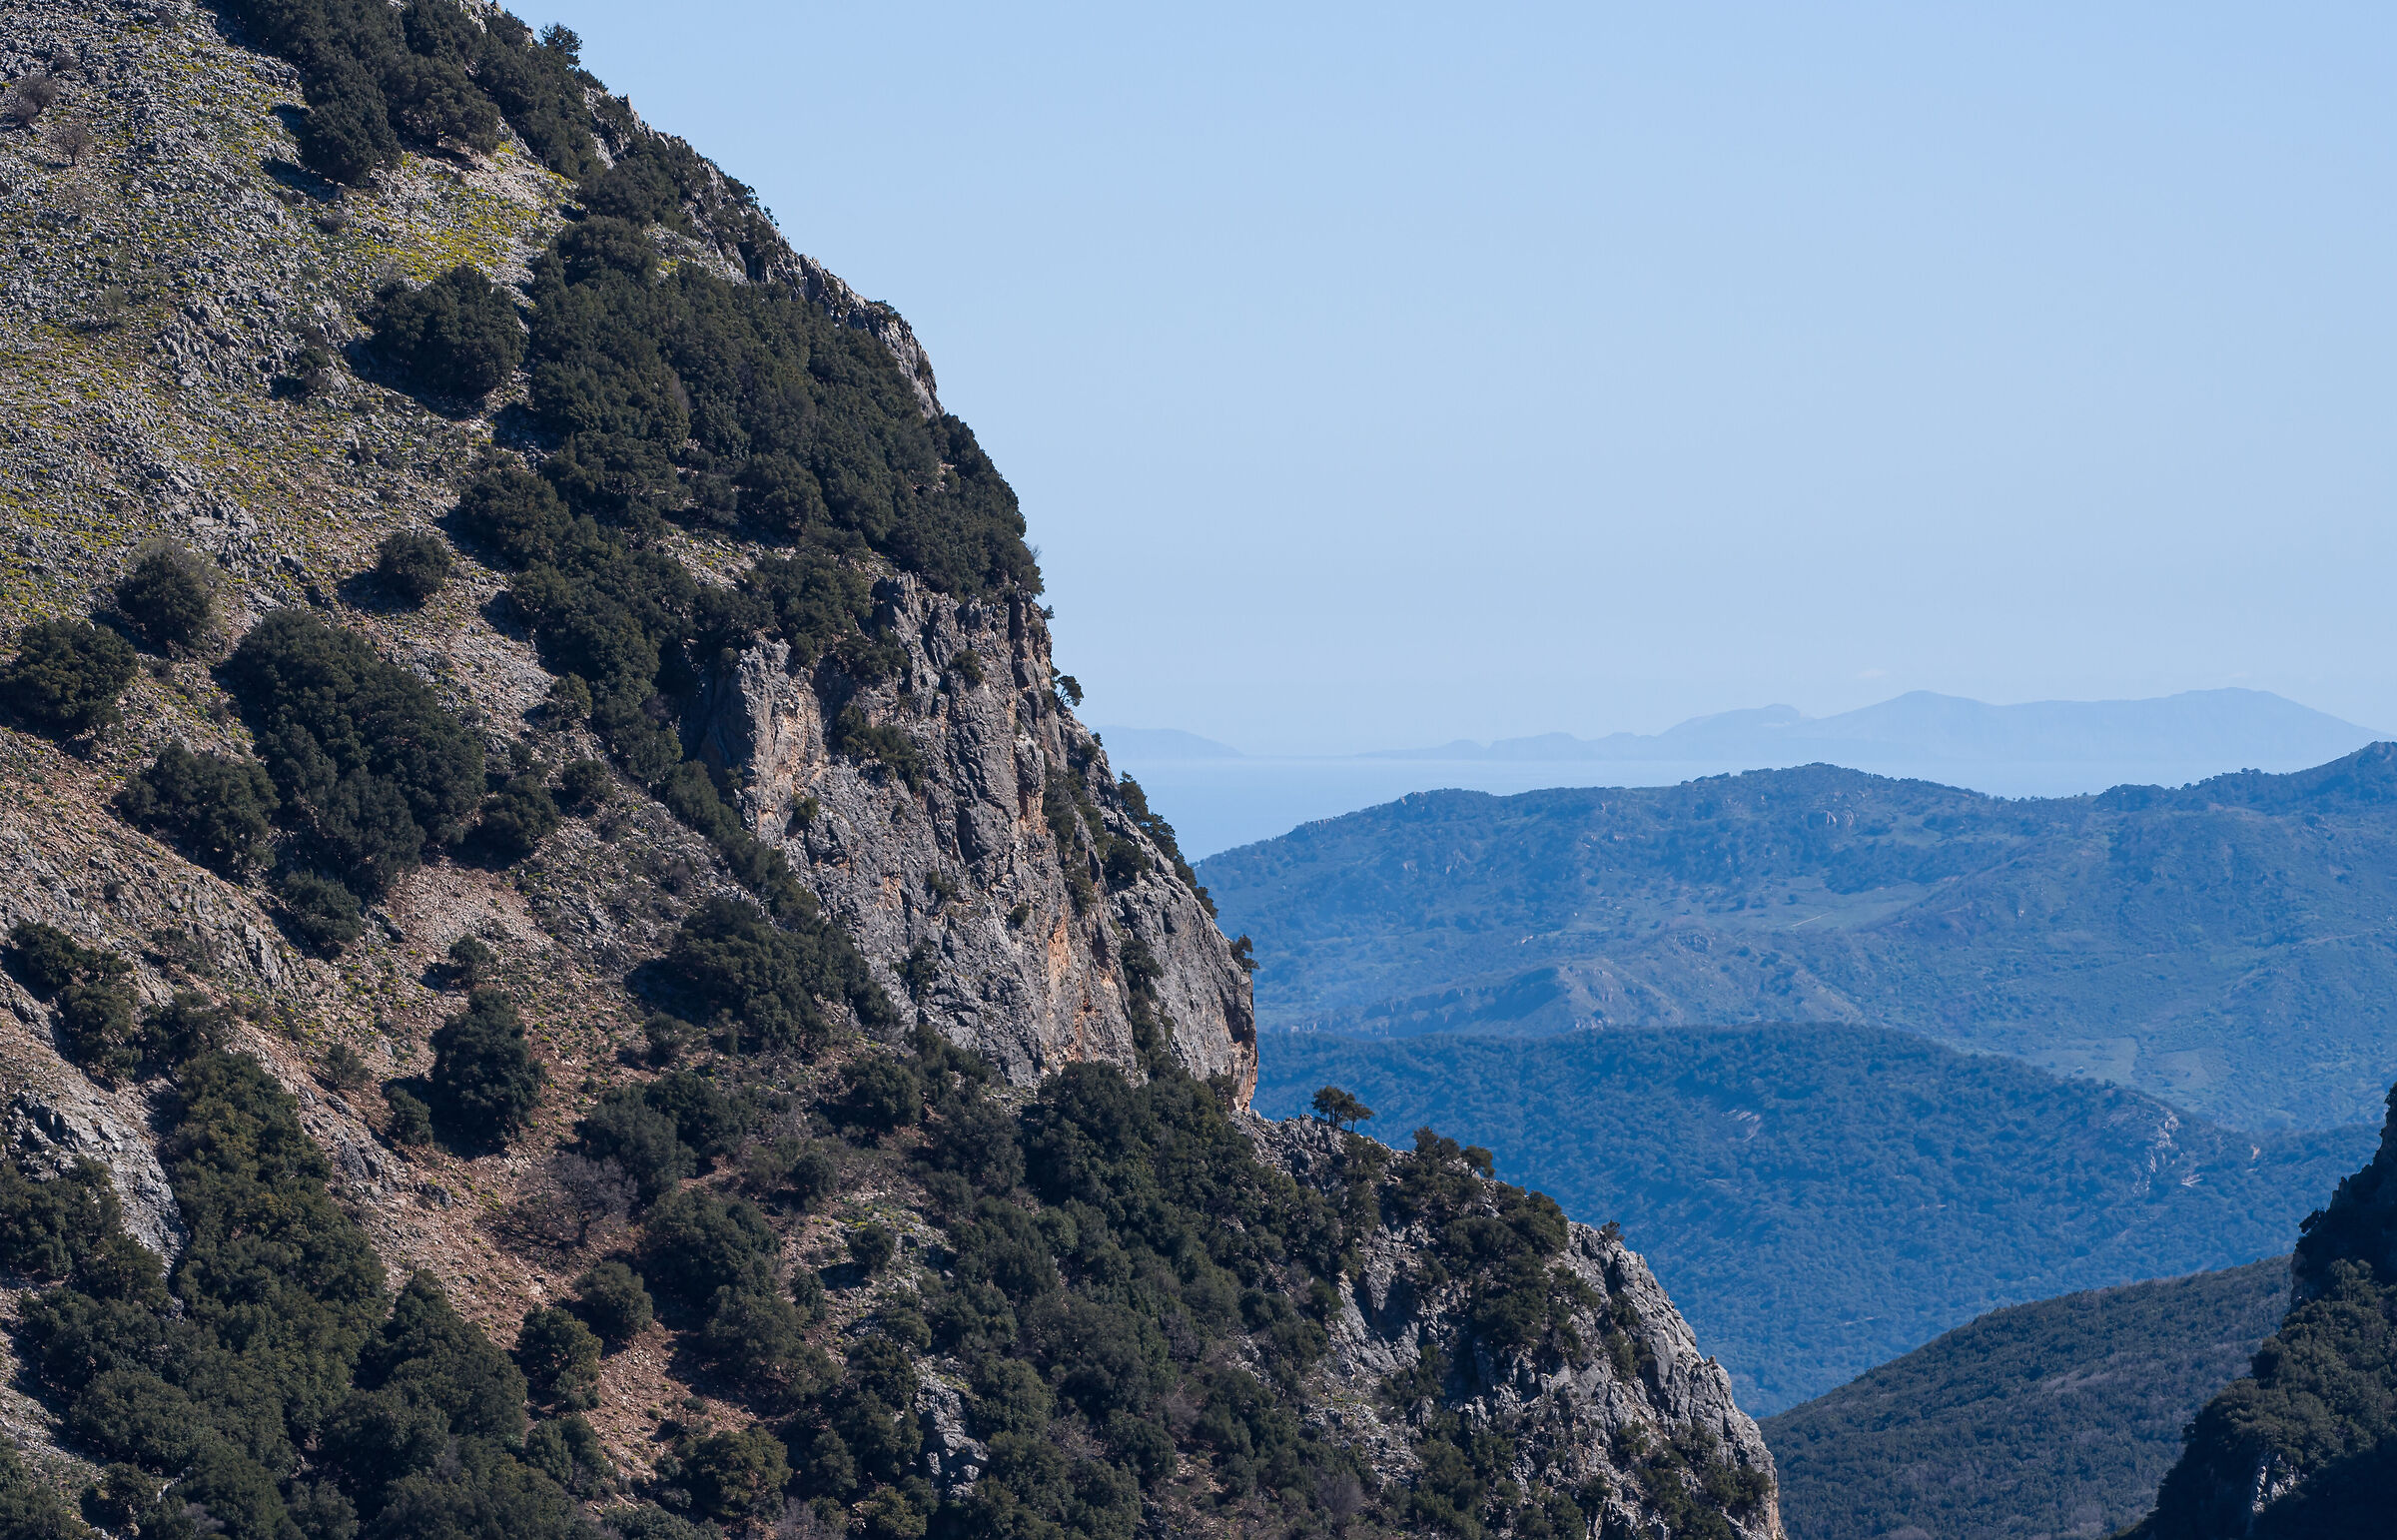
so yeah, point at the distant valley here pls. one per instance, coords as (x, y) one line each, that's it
(1820, 1199)
(2054, 1418)
(2230, 947)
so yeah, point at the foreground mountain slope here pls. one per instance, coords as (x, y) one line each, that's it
(2225, 945)
(2055, 1417)
(1820, 1199)
(2306, 1443)
(588, 685)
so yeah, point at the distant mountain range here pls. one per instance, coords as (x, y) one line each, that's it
(1821, 1198)
(2229, 945)
(2257, 728)
(2052, 1418)
(2242, 729)
(1219, 798)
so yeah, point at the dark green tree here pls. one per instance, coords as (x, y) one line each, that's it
(321, 912)
(612, 1298)
(457, 336)
(216, 809)
(484, 1083)
(170, 596)
(67, 675)
(412, 563)
(1339, 1108)
(559, 1358)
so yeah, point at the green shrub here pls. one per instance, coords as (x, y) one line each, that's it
(756, 1338)
(790, 1170)
(484, 1083)
(347, 134)
(518, 817)
(976, 1140)
(567, 1451)
(96, 1029)
(807, 1293)
(437, 1358)
(324, 914)
(371, 766)
(185, 1027)
(705, 1116)
(471, 961)
(643, 1141)
(67, 675)
(881, 1094)
(765, 981)
(412, 1119)
(881, 742)
(667, 1038)
(695, 1243)
(458, 335)
(273, 1268)
(29, 1509)
(170, 596)
(48, 1227)
(345, 1068)
(49, 959)
(734, 1476)
(871, 1246)
(432, 99)
(517, 513)
(216, 809)
(412, 563)
(559, 1358)
(94, 1008)
(586, 784)
(611, 1299)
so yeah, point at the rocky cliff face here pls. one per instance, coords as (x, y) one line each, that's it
(965, 873)
(1000, 884)
(1640, 1418)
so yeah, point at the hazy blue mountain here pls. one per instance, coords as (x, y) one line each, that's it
(1218, 798)
(2232, 728)
(2229, 945)
(2052, 1418)
(1820, 1199)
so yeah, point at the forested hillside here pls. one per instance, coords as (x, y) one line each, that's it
(2057, 1417)
(1819, 1200)
(2227, 945)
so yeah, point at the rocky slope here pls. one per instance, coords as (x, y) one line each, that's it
(175, 266)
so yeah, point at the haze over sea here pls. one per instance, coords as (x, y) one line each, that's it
(1218, 798)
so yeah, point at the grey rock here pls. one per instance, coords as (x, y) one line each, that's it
(964, 873)
(65, 1117)
(1641, 1385)
(952, 1458)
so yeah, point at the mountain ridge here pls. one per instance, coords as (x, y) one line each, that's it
(542, 785)
(2224, 946)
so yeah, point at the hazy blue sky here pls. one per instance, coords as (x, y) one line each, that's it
(1384, 374)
